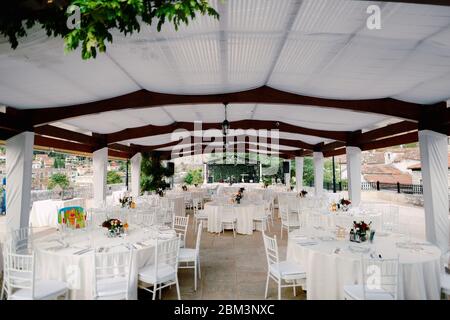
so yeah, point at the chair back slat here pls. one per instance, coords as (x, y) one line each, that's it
(380, 276)
(113, 266)
(271, 247)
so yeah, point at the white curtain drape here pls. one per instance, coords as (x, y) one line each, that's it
(19, 158)
(318, 172)
(100, 166)
(299, 173)
(434, 162)
(136, 161)
(354, 174)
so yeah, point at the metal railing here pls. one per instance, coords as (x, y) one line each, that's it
(379, 186)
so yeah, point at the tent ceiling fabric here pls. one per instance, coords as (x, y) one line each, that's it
(303, 116)
(312, 47)
(317, 48)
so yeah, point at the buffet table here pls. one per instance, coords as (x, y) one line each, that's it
(44, 213)
(331, 264)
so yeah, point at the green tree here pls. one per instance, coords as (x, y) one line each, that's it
(59, 162)
(58, 179)
(113, 177)
(153, 173)
(194, 176)
(98, 18)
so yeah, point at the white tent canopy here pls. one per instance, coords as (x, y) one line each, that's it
(320, 49)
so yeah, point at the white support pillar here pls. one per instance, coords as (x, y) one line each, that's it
(287, 176)
(354, 174)
(205, 173)
(100, 167)
(260, 173)
(299, 173)
(434, 162)
(19, 159)
(318, 172)
(136, 174)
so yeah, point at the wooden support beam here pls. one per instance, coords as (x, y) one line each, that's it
(264, 95)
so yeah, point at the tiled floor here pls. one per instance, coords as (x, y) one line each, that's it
(231, 268)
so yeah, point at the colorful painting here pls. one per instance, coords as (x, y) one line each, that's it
(73, 217)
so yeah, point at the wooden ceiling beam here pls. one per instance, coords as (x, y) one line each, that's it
(264, 95)
(152, 130)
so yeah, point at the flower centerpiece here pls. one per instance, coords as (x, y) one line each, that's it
(344, 204)
(126, 201)
(238, 196)
(115, 227)
(303, 193)
(359, 231)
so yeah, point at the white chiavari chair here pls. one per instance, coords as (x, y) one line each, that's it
(390, 219)
(21, 283)
(180, 225)
(190, 258)
(291, 273)
(261, 217)
(228, 219)
(199, 215)
(379, 280)
(112, 272)
(287, 223)
(164, 272)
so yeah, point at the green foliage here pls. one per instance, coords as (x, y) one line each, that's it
(113, 177)
(58, 179)
(223, 172)
(194, 176)
(59, 162)
(153, 173)
(98, 19)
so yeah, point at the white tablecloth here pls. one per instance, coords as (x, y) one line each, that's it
(328, 272)
(77, 270)
(244, 213)
(44, 213)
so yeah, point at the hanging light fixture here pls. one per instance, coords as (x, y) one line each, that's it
(225, 123)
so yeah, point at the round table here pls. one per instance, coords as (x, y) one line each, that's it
(75, 267)
(244, 213)
(328, 272)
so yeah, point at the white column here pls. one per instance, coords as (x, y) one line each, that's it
(299, 173)
(434, 163)
(318, 172)
(287, 176)
(260, 173)
(136, 174)
(205, 173)
(19, 159)
(354, 174)
(100, 167)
